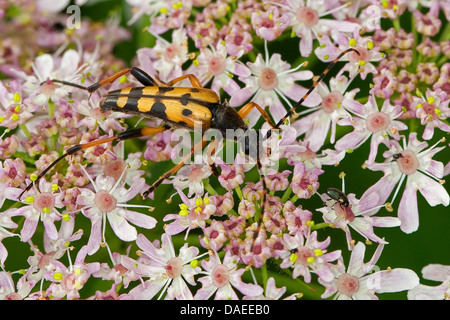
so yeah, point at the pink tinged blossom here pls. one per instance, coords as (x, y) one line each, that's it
(93, 116)
(306, 19)
(271, 292)
(159, 147)
(47, 67)
(231, 176)
(359, 281)
(370, 122)
(166, 270)
(270, 80)
(193, 214)
(269, 24)
(306, 255)
(361, 63)
(433, 111)
(384, 84)
(14, 108)
(238, 41)
(216, 66)
(318, 121)
(429, 23)
(109, 201)
(39, 205)
(221, 278)
(166, 58)
(9, 292)
(191, 176)
(434, 272)
(118, 273)
(414, 163)
(357, 216)
(305, 181)
(69, 280)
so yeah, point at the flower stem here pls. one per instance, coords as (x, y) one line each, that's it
(25, 130)
(320, 226)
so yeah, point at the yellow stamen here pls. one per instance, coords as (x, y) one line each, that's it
(194, 263)
(318, 252)
(293, 258)
(310, 260)
(16, 97)
(199, 202)
(57, 276)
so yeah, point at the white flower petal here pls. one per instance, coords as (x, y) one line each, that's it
(394, 280)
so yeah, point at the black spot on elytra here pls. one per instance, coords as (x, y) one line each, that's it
(163, 90)
(159, 110)
(185, 99)
(186, 112)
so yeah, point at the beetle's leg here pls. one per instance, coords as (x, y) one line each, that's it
(129, 134)
(209, 152)
(140, 75)
(245, 110)
(193, 79)
(172, 171)
(263, 202)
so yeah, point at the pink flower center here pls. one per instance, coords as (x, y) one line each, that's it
(43, 202)
(343, 212)
(104, 201)
(377, 121)
(430, 110)
(48, 88)
(307, 16)
(171, 52)
(347, 284)
(98, 114)
(364, 55)
(114, 168)
(196, 175)
(303, 253)
(68, 281)
(216, 65)
(408, 163)
(174, 267)
(268, 79)
(220, 276)
(332, 101)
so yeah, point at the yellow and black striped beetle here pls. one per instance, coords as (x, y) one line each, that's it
(180, 107)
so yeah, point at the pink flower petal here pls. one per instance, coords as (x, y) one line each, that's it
(408, 211)
(433, 191)
(394, 280)
(121, 227)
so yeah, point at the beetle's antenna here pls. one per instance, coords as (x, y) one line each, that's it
(316, 82)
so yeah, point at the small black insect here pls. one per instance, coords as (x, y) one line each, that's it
(397, 156)
(338, 195)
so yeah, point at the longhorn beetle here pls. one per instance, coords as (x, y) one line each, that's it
(179, 107)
